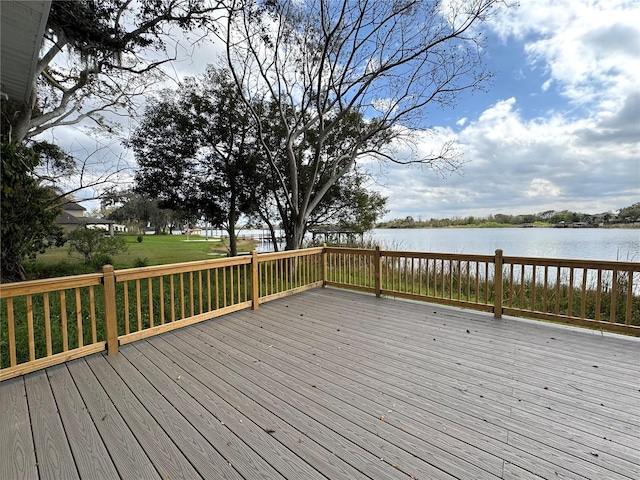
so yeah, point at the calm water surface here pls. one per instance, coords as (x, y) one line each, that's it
(587, 243)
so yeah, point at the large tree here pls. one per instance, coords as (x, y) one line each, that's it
(137, 211)
(197, 151)
(98, 57)
(28, 211)
(321, 62)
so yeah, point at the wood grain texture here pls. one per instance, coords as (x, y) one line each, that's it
(330, 383)
(18, 459)
(218, 434)
(128, 456)
(296, 397)
(90, 454)
(161, 451)
(172, 443)
(50, 441)
(324, 452)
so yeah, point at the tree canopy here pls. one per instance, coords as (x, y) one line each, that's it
(366, 71)
(27, 211)
(197, 152)
(98, 58)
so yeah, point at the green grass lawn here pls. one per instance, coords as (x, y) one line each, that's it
(153, 250)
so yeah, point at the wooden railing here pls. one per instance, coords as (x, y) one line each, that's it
(153, 300)
(284, 273)
(46, 322)
(51, 321)
(596, 294)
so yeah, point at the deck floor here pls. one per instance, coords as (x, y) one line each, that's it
(335, 384)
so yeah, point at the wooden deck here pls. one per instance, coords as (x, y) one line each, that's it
(335, 384)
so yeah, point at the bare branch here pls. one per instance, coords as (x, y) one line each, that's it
(362, 72)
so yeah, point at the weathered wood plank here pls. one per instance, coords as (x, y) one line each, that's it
(17, 454)
(514, 472)
(216, 433)
(284, 441)
(90, 454)
(128, 456)
(307, 335)
(554, 392)
(52, 447)
(358, 408)
(365, 432)
(419, 316)
(477, 439)
(309, 428)
(598, 385)
(172, 444)
(481, 423)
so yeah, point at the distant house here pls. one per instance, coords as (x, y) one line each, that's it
(73, 215)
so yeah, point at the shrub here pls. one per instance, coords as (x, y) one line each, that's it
(91, 242)
(100, 260)
(139, 238)
(36, 270)
(141, 262)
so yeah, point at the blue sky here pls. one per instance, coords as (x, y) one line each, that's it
(558, 128)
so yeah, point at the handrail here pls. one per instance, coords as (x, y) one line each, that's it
(45, 322)
(50, 321)
(48, 285)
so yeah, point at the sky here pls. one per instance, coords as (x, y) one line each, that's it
(558, 128)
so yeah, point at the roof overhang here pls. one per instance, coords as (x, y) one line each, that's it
(22, 28)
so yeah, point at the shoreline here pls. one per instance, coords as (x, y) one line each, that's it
(627, 226)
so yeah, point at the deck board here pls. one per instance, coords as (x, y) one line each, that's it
(390, 417)
(367, 412)
(335, 384)
(127, 454)
(16, 442)
(53, 454)
(245, 408)
(313, 423)
(162, 450)
(212, 431)
(89, 452)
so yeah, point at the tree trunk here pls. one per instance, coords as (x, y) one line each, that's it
(231, 230)
(272, 231)
(233, 241)
(20, 122)
(295, 235)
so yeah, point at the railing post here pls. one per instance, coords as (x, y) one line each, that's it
(377, 260)
(110, 315)
(324, 265)
(255, 290)
(497, 280)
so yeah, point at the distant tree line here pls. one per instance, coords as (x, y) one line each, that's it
(626, 215)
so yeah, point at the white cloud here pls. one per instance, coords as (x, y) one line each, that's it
(518, 165)
(590, 49)
(582, 155)
(540, 187)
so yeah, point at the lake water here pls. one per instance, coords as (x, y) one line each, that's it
(581, 243)
(587, 243)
